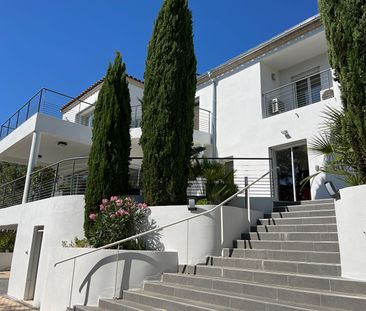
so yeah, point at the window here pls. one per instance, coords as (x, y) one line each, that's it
(86, 118)
(307, 87)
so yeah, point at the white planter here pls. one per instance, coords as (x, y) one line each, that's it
(351, 225)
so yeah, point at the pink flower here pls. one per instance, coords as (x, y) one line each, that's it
(114, 198)
(113, 216)
(92, 216)
(119, 202)
(105, 201)
(123, 212)
(102, 207)
(142, 205)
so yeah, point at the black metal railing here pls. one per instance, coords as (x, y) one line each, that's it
(74, 110)
(69, 177)
(50, 103)
(303, 92)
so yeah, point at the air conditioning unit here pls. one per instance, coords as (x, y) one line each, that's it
(275, 105)
(327, 93)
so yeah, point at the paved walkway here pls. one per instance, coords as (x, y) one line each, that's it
(7, 304)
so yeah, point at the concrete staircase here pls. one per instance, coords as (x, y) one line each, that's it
(289, 262)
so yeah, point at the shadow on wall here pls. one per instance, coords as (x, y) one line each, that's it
(123, 259)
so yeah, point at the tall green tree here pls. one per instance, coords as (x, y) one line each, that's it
(109, 155)
(168, 105)
(345, 26)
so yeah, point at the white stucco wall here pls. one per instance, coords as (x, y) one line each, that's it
(95, 275)
(62, 218)
(351, 225)
(200, 237)
(243, 132)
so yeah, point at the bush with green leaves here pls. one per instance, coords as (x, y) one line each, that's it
(219, 179)
(345, 27)
(7, 240)
(119, 218)
(332, 143)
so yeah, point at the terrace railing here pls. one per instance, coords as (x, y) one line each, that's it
(50, 103)
(202, 118)
(75, 110)
(69, 177)
(305, 91)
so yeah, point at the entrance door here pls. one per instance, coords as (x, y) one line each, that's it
(33, 263)
(292, 167)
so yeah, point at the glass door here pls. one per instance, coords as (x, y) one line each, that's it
(292, 168)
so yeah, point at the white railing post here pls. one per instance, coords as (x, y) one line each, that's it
(116, 276)
(72, 282)
(33, 156)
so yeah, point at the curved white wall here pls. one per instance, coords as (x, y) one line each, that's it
(95, 275)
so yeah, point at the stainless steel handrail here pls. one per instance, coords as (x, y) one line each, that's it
(134, 237)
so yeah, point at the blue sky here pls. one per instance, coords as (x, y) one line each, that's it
(66, 45)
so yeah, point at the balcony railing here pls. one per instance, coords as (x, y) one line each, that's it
(74, 110)
(300, 93)
(69, 177)
(50, 103)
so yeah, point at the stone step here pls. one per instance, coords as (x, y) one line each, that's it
(290, 236)
(307, 207)
(170, 303)
(298, 214)
(296, 228)
(298, 220)
(303, 256)
(325, 283)
(277, 265)
(227, 299)
(86, 308)
(281, 294)
(288, 245)
(306, 202)
(124, 305)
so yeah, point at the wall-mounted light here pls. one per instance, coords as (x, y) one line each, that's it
(286, 133)
(62, 143)
(332, 190)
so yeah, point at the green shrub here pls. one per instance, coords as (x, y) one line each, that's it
(7, 240)
(219, 180)
(117, 219)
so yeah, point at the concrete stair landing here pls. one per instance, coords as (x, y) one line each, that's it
(289, 262)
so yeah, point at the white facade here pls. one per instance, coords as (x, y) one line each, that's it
(264, 104)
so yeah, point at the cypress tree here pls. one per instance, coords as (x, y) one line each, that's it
(168, 105)
(109, 155)
(345, 26)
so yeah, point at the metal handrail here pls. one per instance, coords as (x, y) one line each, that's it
(134, 237)
(293, 82)
(44, 168)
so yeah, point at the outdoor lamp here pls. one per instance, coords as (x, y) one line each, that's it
(192, 205)
(332, 191)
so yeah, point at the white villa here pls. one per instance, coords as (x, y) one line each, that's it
(257, 112)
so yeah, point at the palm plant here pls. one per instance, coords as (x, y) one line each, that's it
(332, 143)
(219, 180)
